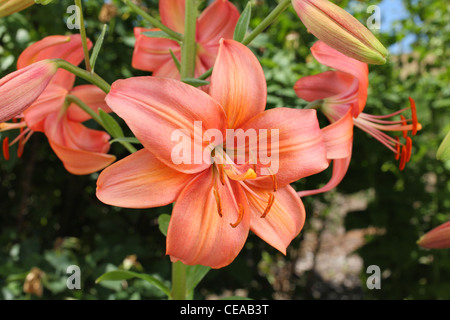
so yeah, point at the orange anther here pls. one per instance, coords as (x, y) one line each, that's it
(408, 148)
(397, 155)
(403, 157)
(240, 216)
(274, 180)
(219, 203)
(269, 205)
(415, 122)
(221, 174)
(6, 148)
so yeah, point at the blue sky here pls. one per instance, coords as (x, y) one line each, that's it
(391, 11)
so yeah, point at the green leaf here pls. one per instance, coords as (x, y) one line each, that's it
(175, 59)
(158, 34)
(110, 124)
(195, 274)
(443, 152)
(163, 223)
(195, 82)
(243, 22)
(120, 275)
(126, 139)
(42, 2)
(97, 47)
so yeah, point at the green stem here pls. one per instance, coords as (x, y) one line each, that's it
(85, 108)
(314, 104)
(97, 118)
(189, 47)
(178, 281)
(84, 74)
(83, 37)
(283, 5)
(153, 21)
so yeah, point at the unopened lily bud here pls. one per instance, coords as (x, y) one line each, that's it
(8, 7)
(18, 90)
(437, 238)
(340, 30)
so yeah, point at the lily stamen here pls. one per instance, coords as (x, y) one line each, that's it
(6, 148)
(269, 205)
(218, 202)
(240, 216)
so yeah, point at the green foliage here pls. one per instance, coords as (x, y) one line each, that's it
(50, 219)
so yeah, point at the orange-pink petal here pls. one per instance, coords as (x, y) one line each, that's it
(140, 181)
(197, 233)
(334, 59)
(217, 21)
(283, 222)
(19, 89)
(50, 101)
(151, 54)
(172, 14)
(340, 167)
(300, 151)
(165, 114)
(238, 83)
(69, 48)
(81, 150)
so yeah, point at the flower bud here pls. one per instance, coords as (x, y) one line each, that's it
(437, 238)
(18, 90)
(340, 30)
(8, 7)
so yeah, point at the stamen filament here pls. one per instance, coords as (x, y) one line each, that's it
(269, 205)
(240, 216)
(218, 202)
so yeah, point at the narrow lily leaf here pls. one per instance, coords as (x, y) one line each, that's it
(42, 2)
(195, 82)
(163, 223)
(97, 47)
(443, 152)
(126, 139)
(158, 34)
(119, 275)
(243, 22)
(195, 274)
(175, 59)
(110, 124)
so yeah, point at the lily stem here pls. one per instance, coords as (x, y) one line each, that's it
(83, 37)
(154, 22)
(178, 281)
(73, 99)
(84, 74)
(283, 5)
(188, 46)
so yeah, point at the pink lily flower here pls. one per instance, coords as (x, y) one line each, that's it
(217, 21)
(342, 94)
(437, 238)
(82, 150)
(216, 203)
